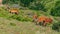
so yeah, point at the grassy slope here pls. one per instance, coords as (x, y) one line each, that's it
(22, 27)
(18, 27)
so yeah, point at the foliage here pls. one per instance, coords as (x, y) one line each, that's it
(56, 26)
(51, 7)
(37, 6)
(26, 2)
(45, 5)
(11, 1)
(56, 10)
(21, 18)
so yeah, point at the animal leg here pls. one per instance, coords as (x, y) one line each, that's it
(44, 24)
(37, 23)
(16, 13)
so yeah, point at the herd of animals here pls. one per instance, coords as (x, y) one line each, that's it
(42, 20)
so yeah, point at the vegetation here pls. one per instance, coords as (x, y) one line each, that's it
(23, 21)
(56, 10)
(50, 6)
(56, 26)
(12, 24)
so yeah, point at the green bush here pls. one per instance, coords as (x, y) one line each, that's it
(56, 10)
(26, 2)
(11, 1)
(37, 6)
(56, 26)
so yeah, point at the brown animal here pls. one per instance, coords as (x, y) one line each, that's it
(14, 11)
(43, 20)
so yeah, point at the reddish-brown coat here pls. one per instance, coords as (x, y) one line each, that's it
(43, 19)
(14, 11)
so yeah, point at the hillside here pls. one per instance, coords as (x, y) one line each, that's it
(11, 25)
(17, 27)
(16, 16)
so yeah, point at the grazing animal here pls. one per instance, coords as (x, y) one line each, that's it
(43, 20)
(13, 11)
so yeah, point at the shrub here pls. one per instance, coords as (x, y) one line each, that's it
(26, 2)
(56, 26)
(56, 10)
(37, 6)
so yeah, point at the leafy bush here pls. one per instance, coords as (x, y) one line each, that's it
(56, 10)
(26, 2)
(37, 6)
(11, 1)
(56, 26)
